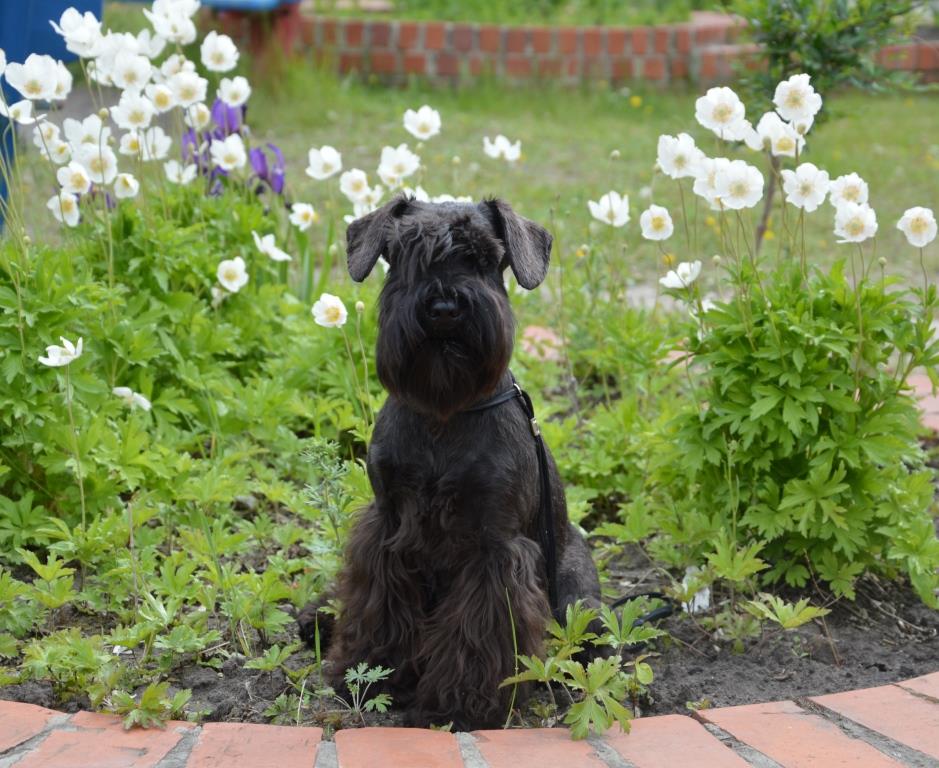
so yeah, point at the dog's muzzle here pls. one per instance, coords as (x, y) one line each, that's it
(443, 314)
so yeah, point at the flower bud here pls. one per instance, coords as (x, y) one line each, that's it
(360, 307)
(456, 160)
(334, 249)
(103, 113)
(27, 240)
(668, 260)
(882, 261)
(582, 251)
(615, 154)
(716, 260)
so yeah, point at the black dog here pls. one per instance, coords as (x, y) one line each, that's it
(450, 553)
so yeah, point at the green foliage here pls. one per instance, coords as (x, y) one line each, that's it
(798, 455)
(835, 42)
(153, 708)
(786, 615)
(359, 680)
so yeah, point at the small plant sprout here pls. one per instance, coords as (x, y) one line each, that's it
(359, 680)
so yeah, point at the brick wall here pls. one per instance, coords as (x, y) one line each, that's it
(702, 51)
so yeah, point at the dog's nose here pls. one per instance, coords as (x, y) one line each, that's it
(444, 311)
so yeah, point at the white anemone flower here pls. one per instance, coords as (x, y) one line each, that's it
(612, 208)
(354, 184)
(234, 91)
(36, 78)
(188, 88)
(721, 111)
(796, 99)
(705, 181)
(919, 226)
(181, 8)
(112, 46)
(56, 356)
(21, 112)
(126, 186)
(172, 27)
(806, 187)
(63, 82)
(44, 133)
(88, 131)
(422, 124)
(81, 32)
(324, 162)
(268, 247)
(682, 276)
(100, 162)
(64, 208)
(849, 188)
(74, 179)
(130, 145)
(3, 61)
(132, 399)
(155, 144)
(198, 116)
(219, 52)
(678, 156)
(174, 64)
(58, 152)
(397, 164)
(777, 135)
(302, 216)
(161, 96)
(133, 112)
(500, 146)
(232, 274)
(739, 185)
(150, 44)
(229, 154)
(177, 173)
(855, 223)
(329, 311)
(656, 223)
(131, 71)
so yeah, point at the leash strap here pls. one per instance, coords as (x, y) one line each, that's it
(545, 506)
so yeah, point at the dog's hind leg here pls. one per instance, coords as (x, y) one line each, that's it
(578, 580)
(468, 646)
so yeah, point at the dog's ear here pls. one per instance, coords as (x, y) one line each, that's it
(527, 244)
(367, 237)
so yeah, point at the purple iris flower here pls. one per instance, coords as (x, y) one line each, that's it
(228, 119)
(273, 173)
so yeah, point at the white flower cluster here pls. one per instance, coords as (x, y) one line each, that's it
(728, 184)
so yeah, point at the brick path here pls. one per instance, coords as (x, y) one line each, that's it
(883, 727)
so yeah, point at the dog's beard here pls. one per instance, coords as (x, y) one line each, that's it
(440, 375)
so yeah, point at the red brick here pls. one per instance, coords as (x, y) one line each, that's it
(888, 709)
(568, 40)
(662, 36)
(927, 685)
(258, 746)
(593, 41)
(102, 742)
(898, 57)
(19, 722)
(434, 36)
(368, 747)
(478, 65)
(622, 69)
(408, 35)
(653, 68)
(415, 64)
(490, 39)
(572, 68)
(670, 741)
(383, 62)
(461, 37)
(795, 738)
(516, 40)
(542, 40)
(640, 40)
(518, 66)
(535, 748)
(379, 34)
(705, 34)
(711, 67)
(616, 40)
(308, 32)
(353, 34)
(350, 62)
(928, 56)
(683, 38)
(330, 31)
(678, 68)
(447, 65)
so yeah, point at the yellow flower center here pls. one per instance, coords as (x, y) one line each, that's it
(854, 227)
(230, 159)
(738, 189)
(805, 189)
(794, 99)
(852, 193)
(332, 314)
(137, 116)
(231, 275)
(78, 180)
(162, 99)
(918, 225)
(34, 87)
(722, 113)
(658, 223)
(218, 58)
(188, 93)
(785, 144)
(680, 161)
(423, 128)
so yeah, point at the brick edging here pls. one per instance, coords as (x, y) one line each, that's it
(889, 725)
(701, 51)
